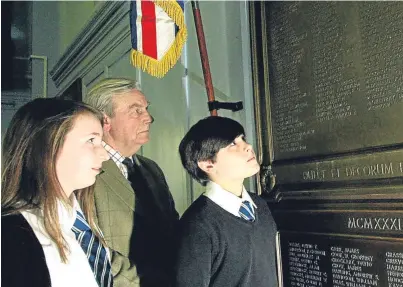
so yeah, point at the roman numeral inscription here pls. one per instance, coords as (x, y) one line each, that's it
(375, 223)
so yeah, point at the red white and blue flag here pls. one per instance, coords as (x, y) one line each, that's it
(158, 33)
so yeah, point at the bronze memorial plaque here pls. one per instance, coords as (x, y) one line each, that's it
(328, 89)
(336, 76)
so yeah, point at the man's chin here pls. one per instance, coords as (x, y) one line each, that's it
(142, 138)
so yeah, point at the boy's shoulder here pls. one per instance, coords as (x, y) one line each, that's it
(199, 218)
(257, 199)
(198, 209)
(260, 203)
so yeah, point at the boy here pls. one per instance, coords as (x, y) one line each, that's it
(227, 236)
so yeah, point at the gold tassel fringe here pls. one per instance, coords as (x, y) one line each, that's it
(160, 68)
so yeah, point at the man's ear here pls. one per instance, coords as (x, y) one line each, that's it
(206, 165)
(107, 123)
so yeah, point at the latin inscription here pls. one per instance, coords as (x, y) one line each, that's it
(377, 170)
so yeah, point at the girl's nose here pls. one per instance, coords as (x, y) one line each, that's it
(103, 154)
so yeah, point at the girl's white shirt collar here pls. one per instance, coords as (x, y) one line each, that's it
(76, 271)
(67, 217)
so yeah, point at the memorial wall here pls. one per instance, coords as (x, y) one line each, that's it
(328, 87)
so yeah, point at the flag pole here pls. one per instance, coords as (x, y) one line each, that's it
(204, 56)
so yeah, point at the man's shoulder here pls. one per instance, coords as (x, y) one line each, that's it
(146, 160)
(151, 166)
(110, 165)
(111, 178)
(109, 170)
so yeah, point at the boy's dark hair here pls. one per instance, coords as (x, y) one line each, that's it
(204, 140)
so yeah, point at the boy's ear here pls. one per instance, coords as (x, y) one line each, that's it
(107, 123)
(206, 165)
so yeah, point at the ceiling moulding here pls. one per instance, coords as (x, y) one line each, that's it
(100, 26)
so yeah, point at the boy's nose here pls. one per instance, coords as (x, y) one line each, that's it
(248, 147)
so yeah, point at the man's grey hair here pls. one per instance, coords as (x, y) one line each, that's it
(101, 95)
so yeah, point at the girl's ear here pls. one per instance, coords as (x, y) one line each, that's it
(206, 165)
(107, 123)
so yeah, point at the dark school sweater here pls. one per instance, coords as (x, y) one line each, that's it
(218, 249)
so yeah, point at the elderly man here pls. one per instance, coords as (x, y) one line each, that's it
(134, 207)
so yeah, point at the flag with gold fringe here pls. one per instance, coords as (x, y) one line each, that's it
(158, 33)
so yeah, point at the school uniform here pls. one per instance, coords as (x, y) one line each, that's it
(219, 248)
(31, 258)
(22, 258)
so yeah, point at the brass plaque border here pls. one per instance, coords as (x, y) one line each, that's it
(261, 91)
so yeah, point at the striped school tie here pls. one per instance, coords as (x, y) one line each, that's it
(246, 211)
(95, 251)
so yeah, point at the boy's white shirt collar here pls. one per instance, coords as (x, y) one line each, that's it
(225, 199)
